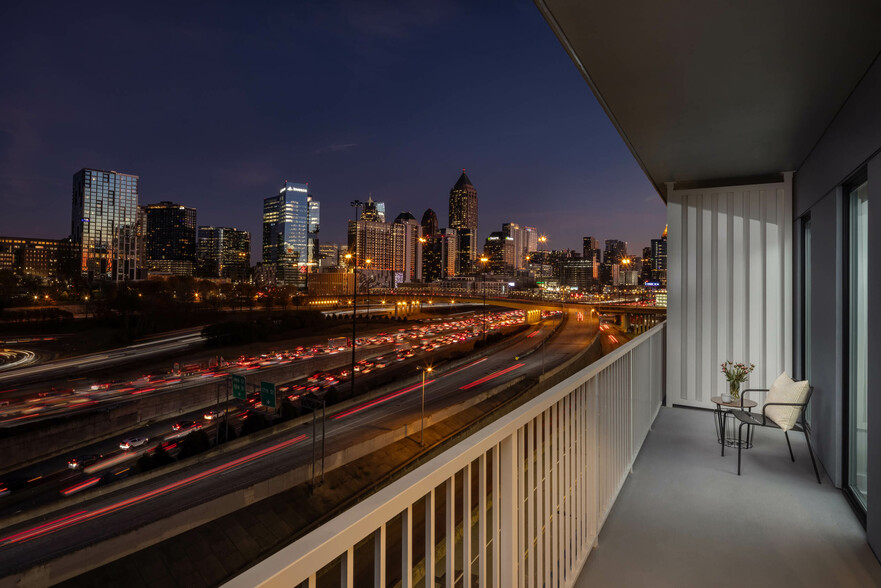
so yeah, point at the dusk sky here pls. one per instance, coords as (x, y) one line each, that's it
(215, 106)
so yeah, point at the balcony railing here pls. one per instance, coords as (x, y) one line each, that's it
(538, 485)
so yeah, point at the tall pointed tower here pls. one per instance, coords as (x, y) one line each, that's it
(463, 218)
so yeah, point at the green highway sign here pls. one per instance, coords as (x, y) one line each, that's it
(267, 394)
(238, 387)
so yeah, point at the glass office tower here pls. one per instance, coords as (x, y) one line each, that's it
(103, 219)
(290, 233)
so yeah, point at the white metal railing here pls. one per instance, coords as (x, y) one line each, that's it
(541, 481)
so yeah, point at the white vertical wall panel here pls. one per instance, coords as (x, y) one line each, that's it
(729, 284)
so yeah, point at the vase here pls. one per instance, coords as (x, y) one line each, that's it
(734, 390)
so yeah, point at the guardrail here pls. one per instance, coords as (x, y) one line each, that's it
(520, 503)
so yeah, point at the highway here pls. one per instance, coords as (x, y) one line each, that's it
(45, 481)
(67, 530)
(180, 341)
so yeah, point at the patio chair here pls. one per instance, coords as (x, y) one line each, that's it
(784, 409)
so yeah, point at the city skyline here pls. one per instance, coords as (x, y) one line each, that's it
(525, 150)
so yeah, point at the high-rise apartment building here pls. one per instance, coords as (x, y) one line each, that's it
(103, 218)
(463, 215)
(224, 252)
(525, 242)
(530, 240)
(407, 248)
(290, 233)
(371, 240)
(171, 238)
(429, 223)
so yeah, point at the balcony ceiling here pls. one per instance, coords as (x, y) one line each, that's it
(704, 91)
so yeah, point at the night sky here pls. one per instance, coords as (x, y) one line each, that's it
(214, 107)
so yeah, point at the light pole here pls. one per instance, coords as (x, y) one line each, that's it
(541, 241)
(354, 308)
(367, 263)
(422, 428)
(483, 261)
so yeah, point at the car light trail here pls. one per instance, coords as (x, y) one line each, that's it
(387, 397)
(143, 390)
(87, 515)
(532, 334)
(491, 376)
(82, 486)
(49, 526)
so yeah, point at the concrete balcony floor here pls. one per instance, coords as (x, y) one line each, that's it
(684, 517)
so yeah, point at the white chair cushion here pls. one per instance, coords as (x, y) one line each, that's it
(784, 389)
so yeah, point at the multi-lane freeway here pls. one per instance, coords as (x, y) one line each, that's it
(177, 342)
(72, 528)
(107, 463)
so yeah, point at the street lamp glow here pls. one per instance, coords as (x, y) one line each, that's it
(422, 427)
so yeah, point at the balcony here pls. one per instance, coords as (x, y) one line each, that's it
(684, 518)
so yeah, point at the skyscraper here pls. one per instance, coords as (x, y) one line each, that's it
(590, 245)
(659, 259)
(407, 248)
(371, 240)
(499, 248)
(103, 224)
(463, 215)
(578, 273)
(429, 223)
(312, 243)
(645, 269)
(615, 251)
(440, 255)
(373, 211)
(171, 238)
(290, 233)
(224, 252)
(525, 241)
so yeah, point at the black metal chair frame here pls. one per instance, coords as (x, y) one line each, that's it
(755, 420)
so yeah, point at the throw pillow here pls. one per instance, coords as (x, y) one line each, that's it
(784, 389)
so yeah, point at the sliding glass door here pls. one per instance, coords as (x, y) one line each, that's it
(858, 343)
(806, 289)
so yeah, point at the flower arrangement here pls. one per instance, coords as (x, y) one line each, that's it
(736, 373)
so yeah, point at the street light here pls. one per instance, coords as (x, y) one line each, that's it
(367, 263)
(354, 309)
(483, 261)
(422, 429)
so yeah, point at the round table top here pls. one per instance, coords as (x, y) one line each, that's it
(739, 403)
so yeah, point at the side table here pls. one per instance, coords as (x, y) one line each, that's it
(721, 413)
